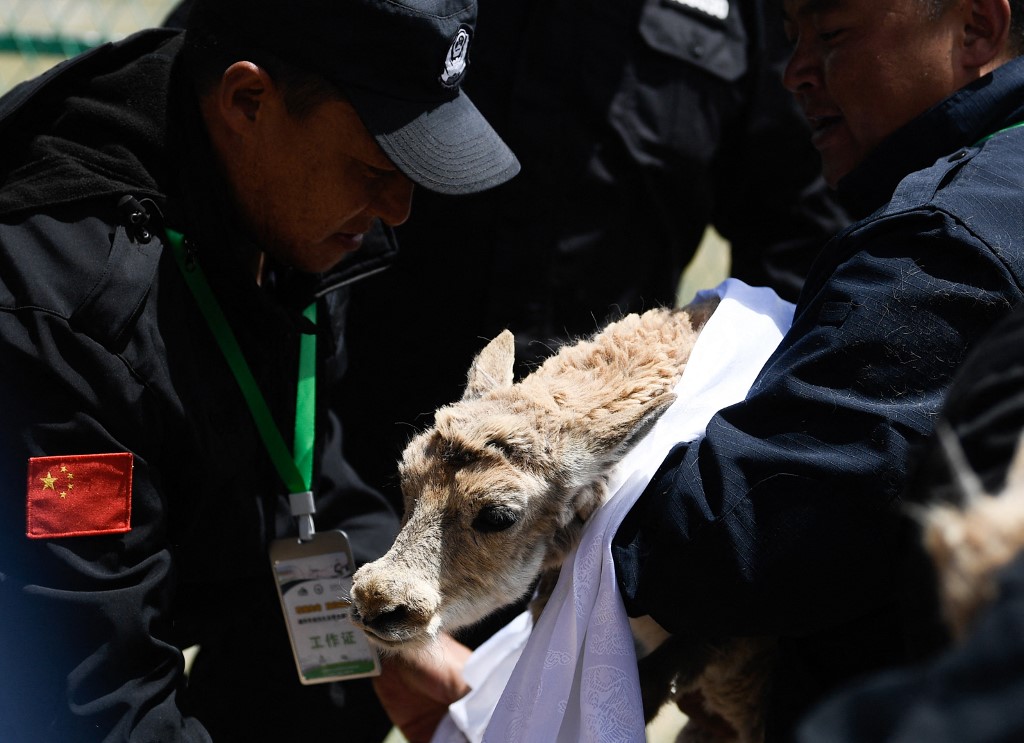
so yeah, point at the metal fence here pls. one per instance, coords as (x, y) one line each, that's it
(36, 34)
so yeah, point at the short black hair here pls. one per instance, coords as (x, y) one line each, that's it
(210, 48)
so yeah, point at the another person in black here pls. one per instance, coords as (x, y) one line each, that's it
(639, 124)
(140, 485)
(968, 691)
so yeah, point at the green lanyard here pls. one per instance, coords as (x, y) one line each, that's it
(296, 469)
(985, 139)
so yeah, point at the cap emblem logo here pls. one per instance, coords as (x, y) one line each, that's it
(456, 60)
(715, 8)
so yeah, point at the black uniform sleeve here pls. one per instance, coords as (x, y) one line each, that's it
(776, 522)
(85, 643)
(345, 502)
(985, 409)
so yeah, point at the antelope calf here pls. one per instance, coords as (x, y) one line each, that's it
(498, 489)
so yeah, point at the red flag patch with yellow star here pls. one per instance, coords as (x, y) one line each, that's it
(79, 495)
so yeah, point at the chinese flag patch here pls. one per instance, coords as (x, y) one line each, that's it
(79, 495)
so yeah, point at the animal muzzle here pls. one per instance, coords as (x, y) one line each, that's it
(396, 608)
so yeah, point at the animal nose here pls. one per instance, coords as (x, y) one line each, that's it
(386, 621)
(395, 610)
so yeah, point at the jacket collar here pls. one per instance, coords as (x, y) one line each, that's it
(971, 113)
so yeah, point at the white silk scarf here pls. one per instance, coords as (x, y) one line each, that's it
(573, 677)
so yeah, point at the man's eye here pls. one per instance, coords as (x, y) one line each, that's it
(373, 172)
(828, 36)
(789, 31)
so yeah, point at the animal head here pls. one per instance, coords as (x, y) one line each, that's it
(498, 489)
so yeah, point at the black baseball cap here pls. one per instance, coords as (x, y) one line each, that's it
(400, 63)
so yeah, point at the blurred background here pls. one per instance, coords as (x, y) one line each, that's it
(36, 34)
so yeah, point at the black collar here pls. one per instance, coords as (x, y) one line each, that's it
(968, 115)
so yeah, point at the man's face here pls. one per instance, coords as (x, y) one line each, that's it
(310, 187)
(861, 69)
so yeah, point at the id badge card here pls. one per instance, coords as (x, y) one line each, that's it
(314, 582)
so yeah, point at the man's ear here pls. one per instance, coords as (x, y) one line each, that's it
(244, 90)
(986, 34)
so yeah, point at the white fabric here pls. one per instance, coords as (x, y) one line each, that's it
(573, 677)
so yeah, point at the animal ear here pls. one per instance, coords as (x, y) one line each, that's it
(1015, 474)
(492, 368)
(700, 310)
(606, 438)
(615, 432)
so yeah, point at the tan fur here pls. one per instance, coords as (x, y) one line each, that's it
(733, 684)
(969, 545)
(497, 491)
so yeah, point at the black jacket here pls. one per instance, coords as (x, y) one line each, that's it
(780, 521)
(103, 349)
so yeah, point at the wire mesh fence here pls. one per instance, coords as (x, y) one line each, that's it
(36, 34)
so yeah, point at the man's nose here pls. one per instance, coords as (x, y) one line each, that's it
(803, 69)
(394, 202)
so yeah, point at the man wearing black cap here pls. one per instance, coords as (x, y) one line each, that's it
(180, 218)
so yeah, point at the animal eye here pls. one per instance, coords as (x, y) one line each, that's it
(495, 518)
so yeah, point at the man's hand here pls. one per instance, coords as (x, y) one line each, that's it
(415, 691)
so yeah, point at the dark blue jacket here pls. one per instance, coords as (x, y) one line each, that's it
(779, 521)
